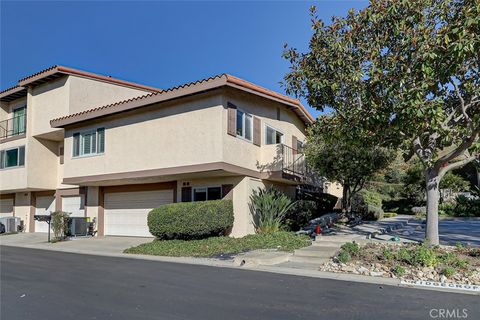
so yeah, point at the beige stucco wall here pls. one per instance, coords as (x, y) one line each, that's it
(244, 153)
(334, 188)
(22, 207)
(171, 136)
(48, 101)
(92, 203)
(88, 93)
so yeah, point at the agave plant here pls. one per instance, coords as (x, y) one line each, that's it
(269, 207)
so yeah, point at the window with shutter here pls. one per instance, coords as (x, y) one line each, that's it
(244, 125)
(2, 158)
(101, 140)
(76, 144)
(21, 156)
(89, 143)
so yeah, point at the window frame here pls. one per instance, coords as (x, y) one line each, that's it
(276, 130)
(18, 158)
(81, 135)
(244, 116)
(205, 187)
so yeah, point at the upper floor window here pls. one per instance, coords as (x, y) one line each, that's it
(300, 146)
(273, 136)
(19, 120)
(89, 142)
(244, 125)
(14, 157)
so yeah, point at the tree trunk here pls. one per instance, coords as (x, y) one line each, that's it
(345, 196)
(433, 197)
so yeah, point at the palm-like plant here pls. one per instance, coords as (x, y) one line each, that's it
(269, 207)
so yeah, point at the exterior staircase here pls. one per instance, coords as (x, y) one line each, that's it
(321, 251)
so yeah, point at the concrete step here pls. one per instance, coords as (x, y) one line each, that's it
(308, 260)
(316, 252)
(327, 243)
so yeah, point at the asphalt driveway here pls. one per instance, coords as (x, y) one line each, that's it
(40, 284)
(452, 230)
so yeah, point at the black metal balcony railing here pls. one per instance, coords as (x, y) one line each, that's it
(13, 126)
(295, 167)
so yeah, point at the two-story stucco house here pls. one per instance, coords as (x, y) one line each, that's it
(113, 150)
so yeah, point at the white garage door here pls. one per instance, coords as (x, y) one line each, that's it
(74, 205)
(126, 212)
(44, 206)
(6, 208)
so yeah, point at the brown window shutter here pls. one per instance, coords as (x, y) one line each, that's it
(294, 144)
(226, 188)
(257, 131)
(61, 151)
(232, 119)
(186, 194)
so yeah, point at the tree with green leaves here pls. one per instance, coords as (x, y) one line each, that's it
(348, 162)
(402, 74)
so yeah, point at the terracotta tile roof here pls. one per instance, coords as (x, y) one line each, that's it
(12, 93)
(56, 71)
(181, 91)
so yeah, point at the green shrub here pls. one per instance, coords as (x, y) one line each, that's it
(191, 220)
(344, 257)
(466, 207)
(371, 198)
(452, 260)
(398, 270)
(424, 256)
(389, 214)
(59, 224)
(368, 204)
(269, 208)
(387, 254)
(419, 211)
(372, 213)
(351, 248)
(301, 214)
(448, 272)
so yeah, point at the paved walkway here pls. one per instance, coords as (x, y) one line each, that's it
(452, 230)
(101, 245)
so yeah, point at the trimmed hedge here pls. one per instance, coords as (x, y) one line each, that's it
(191, 220)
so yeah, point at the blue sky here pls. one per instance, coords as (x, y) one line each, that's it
(157, 43)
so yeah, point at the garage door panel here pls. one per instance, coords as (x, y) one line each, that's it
(44, 206)
(6, 208)
(126, 212)
(74, 205)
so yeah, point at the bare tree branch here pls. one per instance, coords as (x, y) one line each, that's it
(462, 102)
(459, 150)
(456, 165)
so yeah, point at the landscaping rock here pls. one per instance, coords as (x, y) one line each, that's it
(362, 270)
(377, 273)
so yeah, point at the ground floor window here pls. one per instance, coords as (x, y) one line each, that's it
(207, 193)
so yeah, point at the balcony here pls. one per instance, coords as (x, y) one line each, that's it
(291, 163)
(295, 167)
(13, 127)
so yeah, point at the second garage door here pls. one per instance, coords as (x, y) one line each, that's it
(6, 208)
(126, 212)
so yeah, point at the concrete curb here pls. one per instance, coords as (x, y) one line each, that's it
(272, 269)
